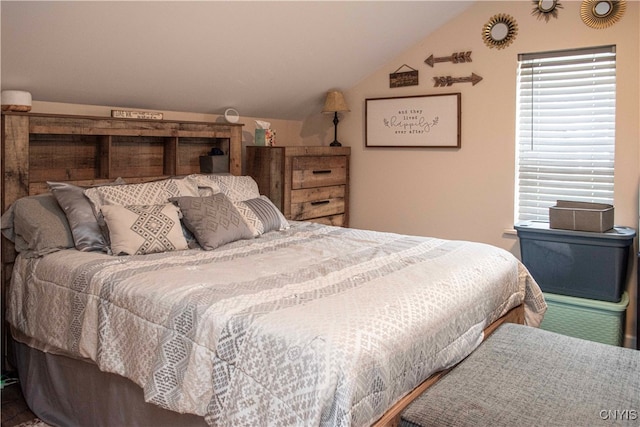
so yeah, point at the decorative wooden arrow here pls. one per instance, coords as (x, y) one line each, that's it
(448, 80)
(456, 58)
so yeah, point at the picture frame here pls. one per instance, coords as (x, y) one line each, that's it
(425, 121)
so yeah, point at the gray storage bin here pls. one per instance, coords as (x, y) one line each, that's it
(214, 164)
(581, 216)
(577, 263)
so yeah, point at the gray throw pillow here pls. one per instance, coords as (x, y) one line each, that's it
(214, 221)
(37, 225)
(87, 235)
(261, 215)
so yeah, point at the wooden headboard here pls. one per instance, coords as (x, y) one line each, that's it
(86, 150)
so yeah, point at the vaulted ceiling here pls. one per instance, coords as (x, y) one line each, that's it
(264, 58)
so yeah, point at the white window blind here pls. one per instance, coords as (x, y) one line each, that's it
(565, 130)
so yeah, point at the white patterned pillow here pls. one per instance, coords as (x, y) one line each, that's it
(261, 215)
(206, 185)
(144, 229)
(236, 188)
(147, 193)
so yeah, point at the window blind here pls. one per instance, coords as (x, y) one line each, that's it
(565, 130)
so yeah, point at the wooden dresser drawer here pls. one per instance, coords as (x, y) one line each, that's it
(337, 220)
(307, 183)
(318, 171)
(317, 202)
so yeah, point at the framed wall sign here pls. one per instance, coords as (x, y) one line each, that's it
(413, 121)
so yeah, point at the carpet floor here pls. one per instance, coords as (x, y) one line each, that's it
(15, 411)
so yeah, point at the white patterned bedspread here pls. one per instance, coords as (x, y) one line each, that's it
(314, 325)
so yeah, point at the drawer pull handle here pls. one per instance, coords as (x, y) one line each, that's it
(322, 171)
(319, 202)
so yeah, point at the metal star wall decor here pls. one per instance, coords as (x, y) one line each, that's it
(545, 9)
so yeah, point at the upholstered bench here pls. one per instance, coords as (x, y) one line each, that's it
(530, 377)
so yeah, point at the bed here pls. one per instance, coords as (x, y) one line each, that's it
(267, 322)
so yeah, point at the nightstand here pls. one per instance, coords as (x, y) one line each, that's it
(305, 183)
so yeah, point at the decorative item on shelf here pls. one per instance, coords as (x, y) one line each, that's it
(602, 13)
(16, 100)
(448, 80)
(335, 103)
(231, 115)
(404, 78)
(499, 31)
(215, 162)
(125, 114)
(456, 58)
(264, 135)
(545, 9)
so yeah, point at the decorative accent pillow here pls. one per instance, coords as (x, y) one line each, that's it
(236, 188)
(37, 225)
(262, 215)
(86, 232)
(144, 229)
(206, 185)
(214, 221)
(146, 193)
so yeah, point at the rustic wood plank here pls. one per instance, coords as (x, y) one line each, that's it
(317, 202)
(265, 166)
(15, 182)
(318, 193)
(203, 134)
(170, 156)
(63, 157)
(318, 171)
(319, 162)
(104, 157)
(235, 151)
(335, 220)
(310, 210)
(317, 150)
(15, 158)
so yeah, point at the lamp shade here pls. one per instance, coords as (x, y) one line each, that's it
(335, 102)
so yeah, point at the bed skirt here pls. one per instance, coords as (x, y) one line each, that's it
(65, 392)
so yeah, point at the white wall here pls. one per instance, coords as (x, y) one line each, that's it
(465, 193)
(468, 193)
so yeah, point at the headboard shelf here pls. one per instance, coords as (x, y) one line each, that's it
(47, 147)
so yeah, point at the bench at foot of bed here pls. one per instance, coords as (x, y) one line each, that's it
(527, 376)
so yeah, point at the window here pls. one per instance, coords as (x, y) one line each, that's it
(565, 129)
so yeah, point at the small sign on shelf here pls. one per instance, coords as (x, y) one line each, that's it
(125, 114)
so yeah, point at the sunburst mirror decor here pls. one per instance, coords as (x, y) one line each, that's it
(546, 9)
(602, 13)
(500, 31)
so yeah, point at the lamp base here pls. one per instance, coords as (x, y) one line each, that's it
(335, 144)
